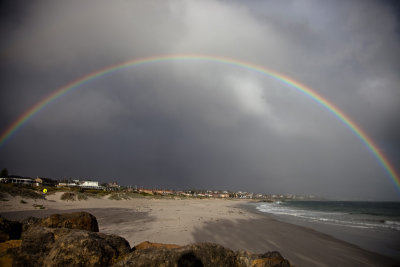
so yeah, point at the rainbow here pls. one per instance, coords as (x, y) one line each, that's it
(372, 147)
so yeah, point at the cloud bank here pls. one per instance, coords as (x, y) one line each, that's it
(187, 124)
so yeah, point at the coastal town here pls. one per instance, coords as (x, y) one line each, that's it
(114, 186)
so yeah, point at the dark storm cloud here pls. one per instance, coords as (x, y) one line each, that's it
(201, 124)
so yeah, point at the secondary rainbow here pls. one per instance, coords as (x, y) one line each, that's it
(372, 147)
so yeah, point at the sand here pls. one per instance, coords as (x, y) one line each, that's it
(187, 221)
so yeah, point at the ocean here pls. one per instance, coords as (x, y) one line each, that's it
(374, 226)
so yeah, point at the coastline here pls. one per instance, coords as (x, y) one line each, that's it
(226, 222)
(305, 244)
(368, 233)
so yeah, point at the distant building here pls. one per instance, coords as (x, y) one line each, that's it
(113, 186)
(83, 184)
(18, 181)
(45, 182)
(163, 192)
(90, 185)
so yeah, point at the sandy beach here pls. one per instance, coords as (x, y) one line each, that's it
(185, 221)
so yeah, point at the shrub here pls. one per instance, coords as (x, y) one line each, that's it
(98, 193)
(114, 196)
(38, 206)
(19, 190)
(68, 196)
(118, 196)
(82, 196)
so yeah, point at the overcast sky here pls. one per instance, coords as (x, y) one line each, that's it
(190, 124)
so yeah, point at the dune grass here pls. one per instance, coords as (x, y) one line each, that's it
(20, 190)
(68, 196)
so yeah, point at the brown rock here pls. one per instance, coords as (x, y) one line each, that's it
(147, 244)
(28, 222)
(201, 254)
(42, 246)
(6, 254)
(75, 220)
(82, 248)
(36, 243)
(272, 258)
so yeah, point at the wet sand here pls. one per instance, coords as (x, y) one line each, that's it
(221, 221)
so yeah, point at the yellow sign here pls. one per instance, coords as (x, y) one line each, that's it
(45, 190)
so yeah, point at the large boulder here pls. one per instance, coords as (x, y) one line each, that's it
(42, 246)
(201, 254)
(9, 230)
(6, 251)
(75, 220)
(271, 258)
(82, 248)
(28, 222)
(147, 244)
(36, 243)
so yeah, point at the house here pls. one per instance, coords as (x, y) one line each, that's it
(113, 186)
(18, 181)
(45, 182)
(83, 184)
(90, 185)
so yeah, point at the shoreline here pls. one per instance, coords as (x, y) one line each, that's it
(227, 222)
(382, 241)
(352, 251)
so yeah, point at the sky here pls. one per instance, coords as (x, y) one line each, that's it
(190, 124)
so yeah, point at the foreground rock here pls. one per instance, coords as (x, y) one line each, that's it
(75, 220)
(201, 254)
(42, 246)
(73, 240)
(62, 240)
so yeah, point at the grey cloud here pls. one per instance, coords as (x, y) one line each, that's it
(183, 124)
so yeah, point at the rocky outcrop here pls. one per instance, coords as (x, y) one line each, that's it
(147, 244)
(271, 258)
(75, 220)
(201, 254)
(28, 222)
(43, 246)
(62, 240)
(73, 240)
(6, 258)
(86, 249)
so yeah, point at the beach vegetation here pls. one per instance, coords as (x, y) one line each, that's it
(82, 196)
(118, 196)
(95, 193)
(38, 206)
(19, 190)
(145, 194)
(68, 196)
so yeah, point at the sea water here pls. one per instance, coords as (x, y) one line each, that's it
(374, 226)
